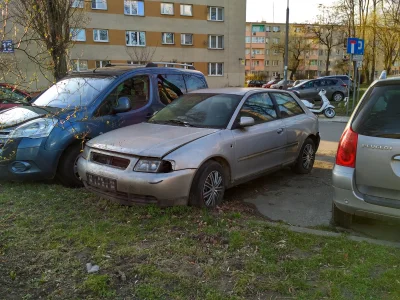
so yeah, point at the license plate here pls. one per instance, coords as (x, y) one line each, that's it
(102, 182)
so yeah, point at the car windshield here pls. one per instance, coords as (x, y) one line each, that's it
(199, 110)
(73, 92)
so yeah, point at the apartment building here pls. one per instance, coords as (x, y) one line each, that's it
(264, 51)
(209, 34)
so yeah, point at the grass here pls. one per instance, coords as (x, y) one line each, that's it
(341, 109)
(48, 234)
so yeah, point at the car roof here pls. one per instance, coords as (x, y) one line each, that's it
(388, 80)
(121, 70)
(233, 91)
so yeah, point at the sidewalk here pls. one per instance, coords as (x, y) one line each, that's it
(339, 119)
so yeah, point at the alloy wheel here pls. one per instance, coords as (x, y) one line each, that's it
(338, 97)
(213, 189)
(308, 156)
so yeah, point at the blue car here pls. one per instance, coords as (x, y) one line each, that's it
(44, 140)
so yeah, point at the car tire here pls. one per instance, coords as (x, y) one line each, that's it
(210, 177)
(337, 97)
(340, 217)
(66, 172)
(305, 161)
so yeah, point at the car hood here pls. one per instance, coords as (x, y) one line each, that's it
(148, 140)
(19, 115)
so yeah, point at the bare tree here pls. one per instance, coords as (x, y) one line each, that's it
(49, 27)
(141, 55)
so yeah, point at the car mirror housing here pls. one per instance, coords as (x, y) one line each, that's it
(123, 105)
(246, 122)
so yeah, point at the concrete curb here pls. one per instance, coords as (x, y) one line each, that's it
(335, 120)
(334, 234)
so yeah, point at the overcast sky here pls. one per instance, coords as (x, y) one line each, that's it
(300, 10)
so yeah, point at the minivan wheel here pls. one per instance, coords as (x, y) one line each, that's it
(305, 160)
(208, 186)
(340, 217)
(337, 97)
(67, 172)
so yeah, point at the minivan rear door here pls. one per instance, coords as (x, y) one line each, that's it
(377, 123)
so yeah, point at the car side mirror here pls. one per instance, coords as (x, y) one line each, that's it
(123, 105)
(246, 122)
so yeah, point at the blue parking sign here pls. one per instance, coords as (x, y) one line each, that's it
(7, 46)
(355, 46)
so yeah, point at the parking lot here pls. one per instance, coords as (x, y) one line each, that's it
(306, 200)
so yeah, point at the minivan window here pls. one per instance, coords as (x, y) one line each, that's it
(170, 87)
(194, 83)
(379, 115)
(73, 92)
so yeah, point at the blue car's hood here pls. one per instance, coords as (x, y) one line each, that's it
(19, 115)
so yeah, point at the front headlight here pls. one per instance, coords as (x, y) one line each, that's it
(149, 165)
(35, 129)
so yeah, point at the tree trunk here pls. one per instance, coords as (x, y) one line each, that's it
(372, 77)
(327, 62)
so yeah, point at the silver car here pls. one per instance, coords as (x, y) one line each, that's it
(200, 145)
(366, 177)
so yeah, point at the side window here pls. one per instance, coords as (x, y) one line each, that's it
(309, 85)
(287, 105)
(9, 96)
(170, 87)
(137, 89)
(194, 83)
(259, 107)
(333, 82)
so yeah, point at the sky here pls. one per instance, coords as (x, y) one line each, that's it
(301, 11)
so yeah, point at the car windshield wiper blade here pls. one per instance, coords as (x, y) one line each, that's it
(179, 122)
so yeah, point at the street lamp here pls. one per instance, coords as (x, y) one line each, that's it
(285, 71)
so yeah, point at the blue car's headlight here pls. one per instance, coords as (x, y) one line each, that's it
(35, 129)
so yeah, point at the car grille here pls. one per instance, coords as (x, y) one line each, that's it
(112, 161)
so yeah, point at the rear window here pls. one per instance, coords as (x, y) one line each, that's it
(379, 114)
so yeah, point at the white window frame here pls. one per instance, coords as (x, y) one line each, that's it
(78, 64)
(131, 3)
(183, 39)
(101, 63)
(276, 29)
(275, 41)
(218, 47)
(167, 3)
(182, 9)
(221, 13)
(98, 33)
(164, 38)
(137, 37)
(75, 37)
(275, 52)
(275, 63)
(216, 70)
(267, 63)
(77, 3)
(100, 1)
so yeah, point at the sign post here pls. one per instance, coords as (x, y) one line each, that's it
(355, 47)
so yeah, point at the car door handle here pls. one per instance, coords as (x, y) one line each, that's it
(280, 130)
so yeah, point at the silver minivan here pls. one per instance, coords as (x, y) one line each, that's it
(366, 176)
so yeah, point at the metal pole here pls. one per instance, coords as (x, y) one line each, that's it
(285, 71)
(348, 92)
(359, 83)
(356, 87)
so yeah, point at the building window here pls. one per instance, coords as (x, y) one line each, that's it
(100, 35)
(275, 74)
(79, 65)
(216, 42)
(168, 38)
(167, 8)
(256, 52)
(297, 29)
(258, 40)
(268, 29)
(313, 62)
(135, 38)
(267, 63)
(255, 63)
(275, 41)
(186, 10)
(248, 39)
(77, 3)
(247, 51)
(276, 29)
(215, 69)
(78, 34)
(187, 39)
(275, 63)
(276, 51)
(215, 13)
(258, 28)
(134, 8)
(337, 51)
(266, 51)
(267, 40)
(99, 4)
(321, 52)
(102, 63)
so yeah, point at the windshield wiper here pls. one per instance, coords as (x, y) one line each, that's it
(178, 122)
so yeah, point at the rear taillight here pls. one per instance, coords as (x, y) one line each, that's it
(344, 85)
(347, 150)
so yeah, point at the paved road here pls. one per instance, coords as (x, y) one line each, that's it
(305, 200)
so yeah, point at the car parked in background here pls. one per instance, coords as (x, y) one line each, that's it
(280, 84)
(297, 82)
(11, 96)
(336, 90)
(345, 78)
(269, 83)
(45, 139)
(366, 175)
(209, 140)
(256, 83)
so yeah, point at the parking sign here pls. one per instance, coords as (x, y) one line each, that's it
(355, 46)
